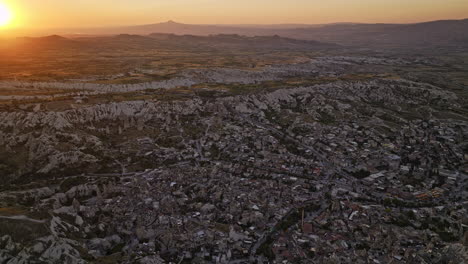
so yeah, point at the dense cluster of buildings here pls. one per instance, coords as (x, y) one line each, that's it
(329, 173)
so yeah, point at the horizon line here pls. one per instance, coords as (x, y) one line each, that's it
(228, 24)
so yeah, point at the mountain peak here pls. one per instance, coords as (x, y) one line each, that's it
(54, 37)
(172, 22)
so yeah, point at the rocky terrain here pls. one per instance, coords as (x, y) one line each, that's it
(333, 160)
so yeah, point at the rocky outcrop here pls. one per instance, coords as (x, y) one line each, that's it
(76, 139)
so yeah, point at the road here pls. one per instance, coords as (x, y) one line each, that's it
(22, 218)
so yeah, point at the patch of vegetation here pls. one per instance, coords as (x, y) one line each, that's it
(22, 231)
(117, 248)
(401, 221)
(111, 259)
(288, 221)
(9, 211)
(361, 174)
(265, 249)
(326, 118)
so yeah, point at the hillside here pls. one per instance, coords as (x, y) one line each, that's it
(434, 33)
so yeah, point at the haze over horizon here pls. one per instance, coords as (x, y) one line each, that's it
(49, 14)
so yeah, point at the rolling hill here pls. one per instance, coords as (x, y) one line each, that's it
(430, 34)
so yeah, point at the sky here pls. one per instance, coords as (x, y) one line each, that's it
(99, 13)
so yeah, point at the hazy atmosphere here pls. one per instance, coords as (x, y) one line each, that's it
(90, 13)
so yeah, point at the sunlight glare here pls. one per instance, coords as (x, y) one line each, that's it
(5, 15)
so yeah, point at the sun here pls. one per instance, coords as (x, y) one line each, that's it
(5, 15)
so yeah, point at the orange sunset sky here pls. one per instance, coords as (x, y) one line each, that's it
(98, 13)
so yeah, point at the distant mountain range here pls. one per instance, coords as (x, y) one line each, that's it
(444, 33)
(172, 27)
(165, 41)
(436, 33)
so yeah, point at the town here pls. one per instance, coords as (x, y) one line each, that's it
(332, 160)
